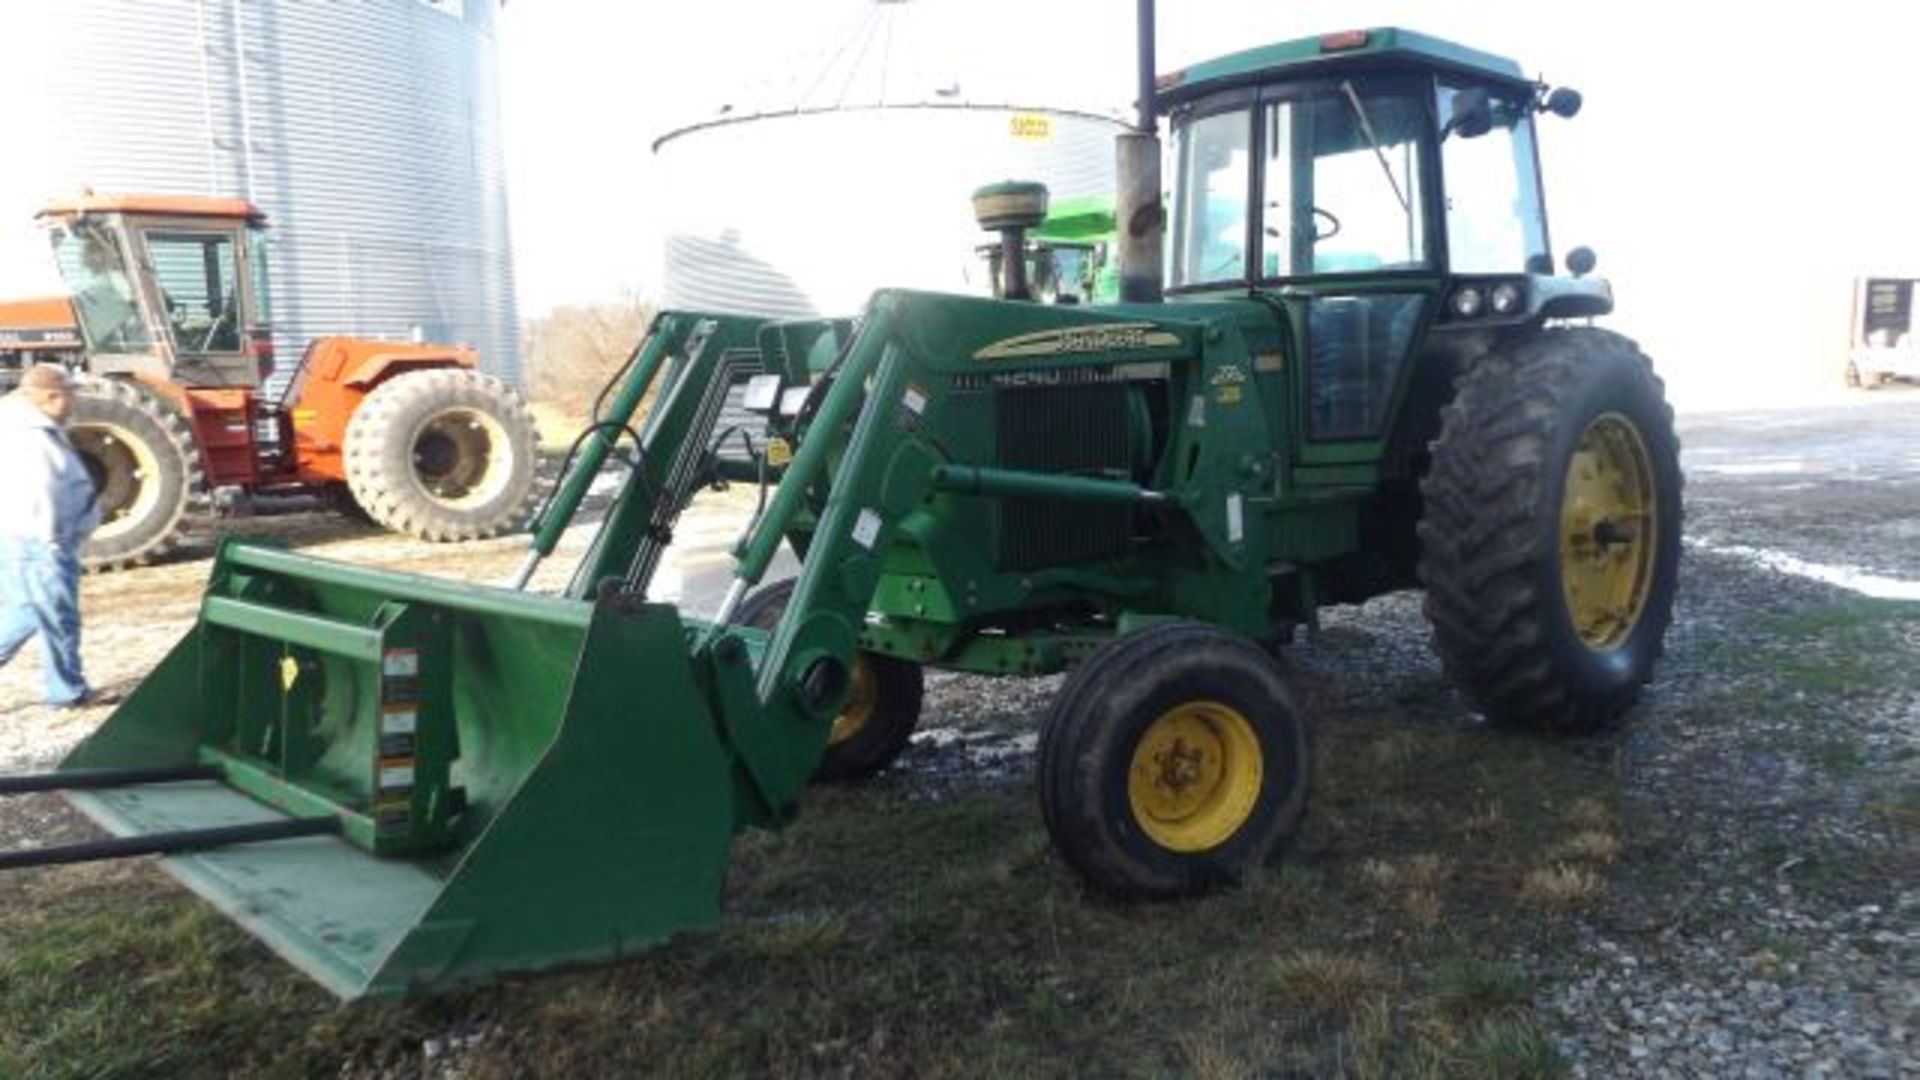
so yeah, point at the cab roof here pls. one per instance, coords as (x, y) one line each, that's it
(162, 205)
(1379, 47)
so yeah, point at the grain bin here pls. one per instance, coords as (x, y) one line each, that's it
(812, 187)
(368, 132)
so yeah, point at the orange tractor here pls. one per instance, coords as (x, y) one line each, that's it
(166, 321)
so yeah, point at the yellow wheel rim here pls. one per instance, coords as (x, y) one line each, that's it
(862, 696)
(124, 469)
(1608, 526)
(1195, 776)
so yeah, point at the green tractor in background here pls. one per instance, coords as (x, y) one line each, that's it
(1069, 255)
(1364, 377)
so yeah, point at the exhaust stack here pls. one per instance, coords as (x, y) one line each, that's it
(1137, 209)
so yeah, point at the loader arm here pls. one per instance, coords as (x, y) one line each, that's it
(777, 714)
(706, 356)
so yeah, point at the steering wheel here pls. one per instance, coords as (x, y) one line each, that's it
(213, 328)
(1333, 224)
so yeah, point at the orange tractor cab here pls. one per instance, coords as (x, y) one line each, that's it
(167, 323)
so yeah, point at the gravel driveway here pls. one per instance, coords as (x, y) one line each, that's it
(1767, 922)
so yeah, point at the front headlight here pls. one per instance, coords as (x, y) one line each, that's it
(1505, 299)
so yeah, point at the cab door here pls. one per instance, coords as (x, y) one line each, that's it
(198, 283)
(1345, 237)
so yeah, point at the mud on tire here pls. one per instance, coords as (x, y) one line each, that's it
(445, 454)
(1550, 539)
(145, 468)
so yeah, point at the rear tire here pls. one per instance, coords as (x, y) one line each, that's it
(1173, 762)
(1550, 541)
(145, 468)
(445, 454)
(883, 705)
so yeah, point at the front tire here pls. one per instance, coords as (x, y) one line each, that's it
(444, 454)
(145, 470)
(1550, 542)
(1172, 762)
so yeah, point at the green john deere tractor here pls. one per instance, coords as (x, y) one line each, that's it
(1364, 376)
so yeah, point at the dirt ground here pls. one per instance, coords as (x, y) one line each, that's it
(1763, 920)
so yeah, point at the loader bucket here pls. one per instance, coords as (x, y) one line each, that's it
(507, 782)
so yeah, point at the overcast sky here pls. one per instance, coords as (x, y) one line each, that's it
(1735, 166)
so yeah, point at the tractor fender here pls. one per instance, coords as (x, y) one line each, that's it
(336, 376)
(364, 364)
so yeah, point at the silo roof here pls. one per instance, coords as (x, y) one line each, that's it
(893, 54)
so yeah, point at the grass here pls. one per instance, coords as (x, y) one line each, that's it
(1561, 886)
(1472, 990)
(901, 932)
(1899, 808)
(1595, 846)
(1841, 759)
(1509, 1049)
(1330, 982)
(1845, 649)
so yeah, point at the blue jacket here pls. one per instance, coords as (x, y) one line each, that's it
(45, 492)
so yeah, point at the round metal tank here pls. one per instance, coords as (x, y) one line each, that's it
(808, 212)
(368, 132)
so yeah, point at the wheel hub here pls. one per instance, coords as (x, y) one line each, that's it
(454, 456)
(1607, 529)
(1180, 767)
(1195, 776)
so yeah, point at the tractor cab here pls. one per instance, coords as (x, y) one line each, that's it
(173, 288)
(1378, 183)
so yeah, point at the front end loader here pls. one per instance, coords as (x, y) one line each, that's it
(1353, 386)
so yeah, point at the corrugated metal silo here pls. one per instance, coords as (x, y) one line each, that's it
(368, 132)
(806, 195)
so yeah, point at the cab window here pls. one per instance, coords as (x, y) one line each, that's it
(1495, 221)
(94, 267)
(1210, 210)
(199, 289)
(1343, 182)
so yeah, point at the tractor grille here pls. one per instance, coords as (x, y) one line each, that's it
(1062, 429)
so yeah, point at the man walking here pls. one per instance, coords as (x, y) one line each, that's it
(46, 511)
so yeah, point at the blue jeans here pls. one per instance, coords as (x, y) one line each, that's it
(40, 594)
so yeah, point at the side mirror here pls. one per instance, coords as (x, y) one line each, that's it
(1472, 114)
(1581, 261)
(1564, 102)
